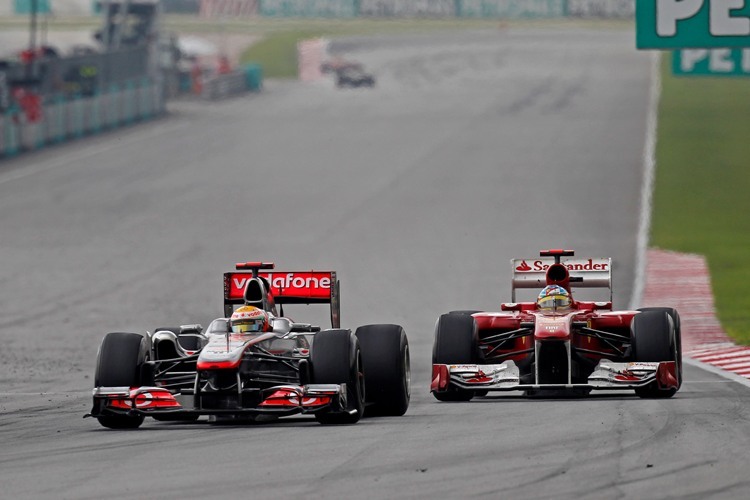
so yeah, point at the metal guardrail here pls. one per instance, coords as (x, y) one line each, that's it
(66, 119)
(226, 85)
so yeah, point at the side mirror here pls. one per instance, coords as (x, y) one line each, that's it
(281, 325)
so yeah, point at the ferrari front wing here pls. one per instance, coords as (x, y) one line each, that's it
(506, 377)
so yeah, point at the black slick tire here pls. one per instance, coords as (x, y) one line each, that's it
(337, 359)
(677, 332)
(455, 343)
(654, 339)
(119, 364)
(385, 354)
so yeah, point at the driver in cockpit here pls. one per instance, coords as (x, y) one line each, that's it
(249, 319)
(554, 298)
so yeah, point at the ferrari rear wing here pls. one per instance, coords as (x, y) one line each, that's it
(286, 287)
(584, 272)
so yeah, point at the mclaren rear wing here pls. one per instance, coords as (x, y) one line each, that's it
(584, 272)
(286, 287)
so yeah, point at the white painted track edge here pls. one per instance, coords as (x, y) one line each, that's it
(649, 166)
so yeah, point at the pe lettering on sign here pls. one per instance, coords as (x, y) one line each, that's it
(662, 24)
(723, 18)
(719, 60)
(712, 62)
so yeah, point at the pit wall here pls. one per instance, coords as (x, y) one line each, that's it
(499, 9)
(63, 119)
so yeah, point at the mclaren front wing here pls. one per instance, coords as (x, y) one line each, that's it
(281, 400)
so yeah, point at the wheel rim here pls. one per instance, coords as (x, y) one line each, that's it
(360, 377)
(407, 372)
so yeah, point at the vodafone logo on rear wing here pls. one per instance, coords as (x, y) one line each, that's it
(297, 284)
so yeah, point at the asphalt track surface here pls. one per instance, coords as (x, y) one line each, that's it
(472, 149)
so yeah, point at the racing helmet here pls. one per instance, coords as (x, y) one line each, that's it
(249, 319)
(553, 297)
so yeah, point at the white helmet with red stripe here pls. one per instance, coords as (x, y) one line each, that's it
(249, 319)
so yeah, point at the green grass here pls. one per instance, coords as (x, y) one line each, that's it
(702, 185)
(277, 53)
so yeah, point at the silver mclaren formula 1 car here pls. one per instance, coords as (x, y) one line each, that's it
(255, 363)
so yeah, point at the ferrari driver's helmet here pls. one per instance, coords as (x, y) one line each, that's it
(247, 319)
(553, 297)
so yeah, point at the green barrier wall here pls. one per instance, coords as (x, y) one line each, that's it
(511, 9)
(24, 6)
(309, 8)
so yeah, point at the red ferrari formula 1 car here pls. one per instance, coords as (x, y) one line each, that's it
(255, 363)
(557, 344)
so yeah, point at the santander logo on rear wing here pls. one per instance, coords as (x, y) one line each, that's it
(584, 273)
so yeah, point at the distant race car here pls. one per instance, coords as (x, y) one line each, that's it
(354, 77)
(254, 363)
(557, 344)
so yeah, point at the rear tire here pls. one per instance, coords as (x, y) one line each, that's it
(655, 339)
(119, 364)
(385, 353)
(336, 359)
(455, 344)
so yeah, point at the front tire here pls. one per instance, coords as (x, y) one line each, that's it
(677, 332)
(655, 339)
(385, 353)
(336, 359)
(119, 364)
(455, 344)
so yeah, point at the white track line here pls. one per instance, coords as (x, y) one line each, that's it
(718, 371)
(649, 165)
